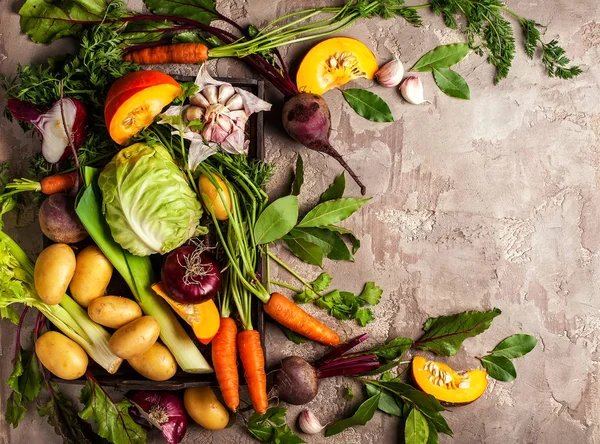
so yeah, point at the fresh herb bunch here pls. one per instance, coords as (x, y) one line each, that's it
(87, 76)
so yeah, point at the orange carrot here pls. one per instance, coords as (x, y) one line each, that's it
(224, 358)
(253, 360)
(174, 53)
(288, 314)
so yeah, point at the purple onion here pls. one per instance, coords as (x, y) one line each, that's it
(164, 410)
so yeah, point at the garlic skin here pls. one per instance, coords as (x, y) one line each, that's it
(309, 423)
(390, 74)
(412, 90)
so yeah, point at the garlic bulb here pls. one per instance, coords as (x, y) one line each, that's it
(390, 74)
(309, 423)
(412, 90)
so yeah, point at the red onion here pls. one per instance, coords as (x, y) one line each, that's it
(191, 275)
(49, 124)
(164, 410)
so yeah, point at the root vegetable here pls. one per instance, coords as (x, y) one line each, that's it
(114, 311)
(53, 271)
(62, 356)
(203, 407)
(134, 338)
(58, 220)
(156, 364)
(92, 275)
(307, 119)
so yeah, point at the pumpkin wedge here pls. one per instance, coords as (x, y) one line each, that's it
(335, 62)
(446, 385)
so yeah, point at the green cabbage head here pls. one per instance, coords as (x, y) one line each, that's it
(147, 201)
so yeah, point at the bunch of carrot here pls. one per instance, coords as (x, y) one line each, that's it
(244, 202)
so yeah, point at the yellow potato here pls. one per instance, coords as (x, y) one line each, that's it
(113, 311)
(211, 198)
(134, 338)
(157, 364)
(204, 408)
(53, 271)
(92, 274)
(62, 356)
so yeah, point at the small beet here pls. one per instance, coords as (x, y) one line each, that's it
(307, 119)
(296, 382)
(58, 220)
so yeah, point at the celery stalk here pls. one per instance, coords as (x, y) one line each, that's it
(139, 276)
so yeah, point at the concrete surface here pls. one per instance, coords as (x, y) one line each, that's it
(476, 204)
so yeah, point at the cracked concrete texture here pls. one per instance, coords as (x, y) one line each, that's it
(480, 203)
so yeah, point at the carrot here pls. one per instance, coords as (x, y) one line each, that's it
(253, 360)
(174, 53)
(288, 314)
(224, 358)
(58, 183)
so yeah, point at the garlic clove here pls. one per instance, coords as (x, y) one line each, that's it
(235, 103)
(390, 74)
(198, 99)
(309, 423)
(194, 113)
(225, 93)
(211, 94)
(412, 90)
(225, 123)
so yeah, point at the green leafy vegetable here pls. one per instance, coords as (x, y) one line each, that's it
(515, 346)
(26, 383)
(371, 294)
(335, 190)
(499, 367)
(322, 282)
(276, 220)
(305, 250)
(332, 245)
(271, 427)
(298, 176)
(442, 57)
(200, 10)
(147, 201)
(394, 349)
(345, 305)
(451, 83)
(363, 414)
(348, 393)
(331, 212)
(113, 420)
(344, 231)
(445, 334)
(416, 428)
(368, 105)
(387, 401)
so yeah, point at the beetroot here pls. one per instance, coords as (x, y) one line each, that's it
(307, 119)
(58, 220)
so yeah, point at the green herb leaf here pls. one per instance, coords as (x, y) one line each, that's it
(499, 367)
(394, 349)
(348, 393)
(332, 212)
(363, 414)
(433, 434)
(438, 421)
(195, 37)
(322, 282)
(387, 403)
(364, 316)
(370, 295)
(65, 421)
(335, 190)
(146, 31)
(45, 21)
(306, 296)
(445, 334)
(10, 314)
(442, 57)
(305, 250)
(332, 245)
(426, 403)
(26, 382)
(515, 346)
(271, 427)
(368, 105)
(298, 176)
(200, 10)
(276, 220)
(451, 83)
(416, 429)
(344, 231)
(113, 420)
(292, 335)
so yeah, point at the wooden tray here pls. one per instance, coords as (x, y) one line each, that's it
(128, 379)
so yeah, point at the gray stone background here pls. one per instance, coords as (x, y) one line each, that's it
(480, 203)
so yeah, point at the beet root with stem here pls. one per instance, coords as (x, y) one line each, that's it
(296, 382)
(307, 119)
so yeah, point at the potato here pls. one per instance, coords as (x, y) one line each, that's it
(92, 274)
(62, 356)
(113, 311)
(134, 338)
(204, 408)
(157, 364)
(53, 271)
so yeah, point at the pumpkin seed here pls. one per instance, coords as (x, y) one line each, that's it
(464, 385)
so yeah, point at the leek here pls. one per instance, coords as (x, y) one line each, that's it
(139, 276)
(17, 286)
